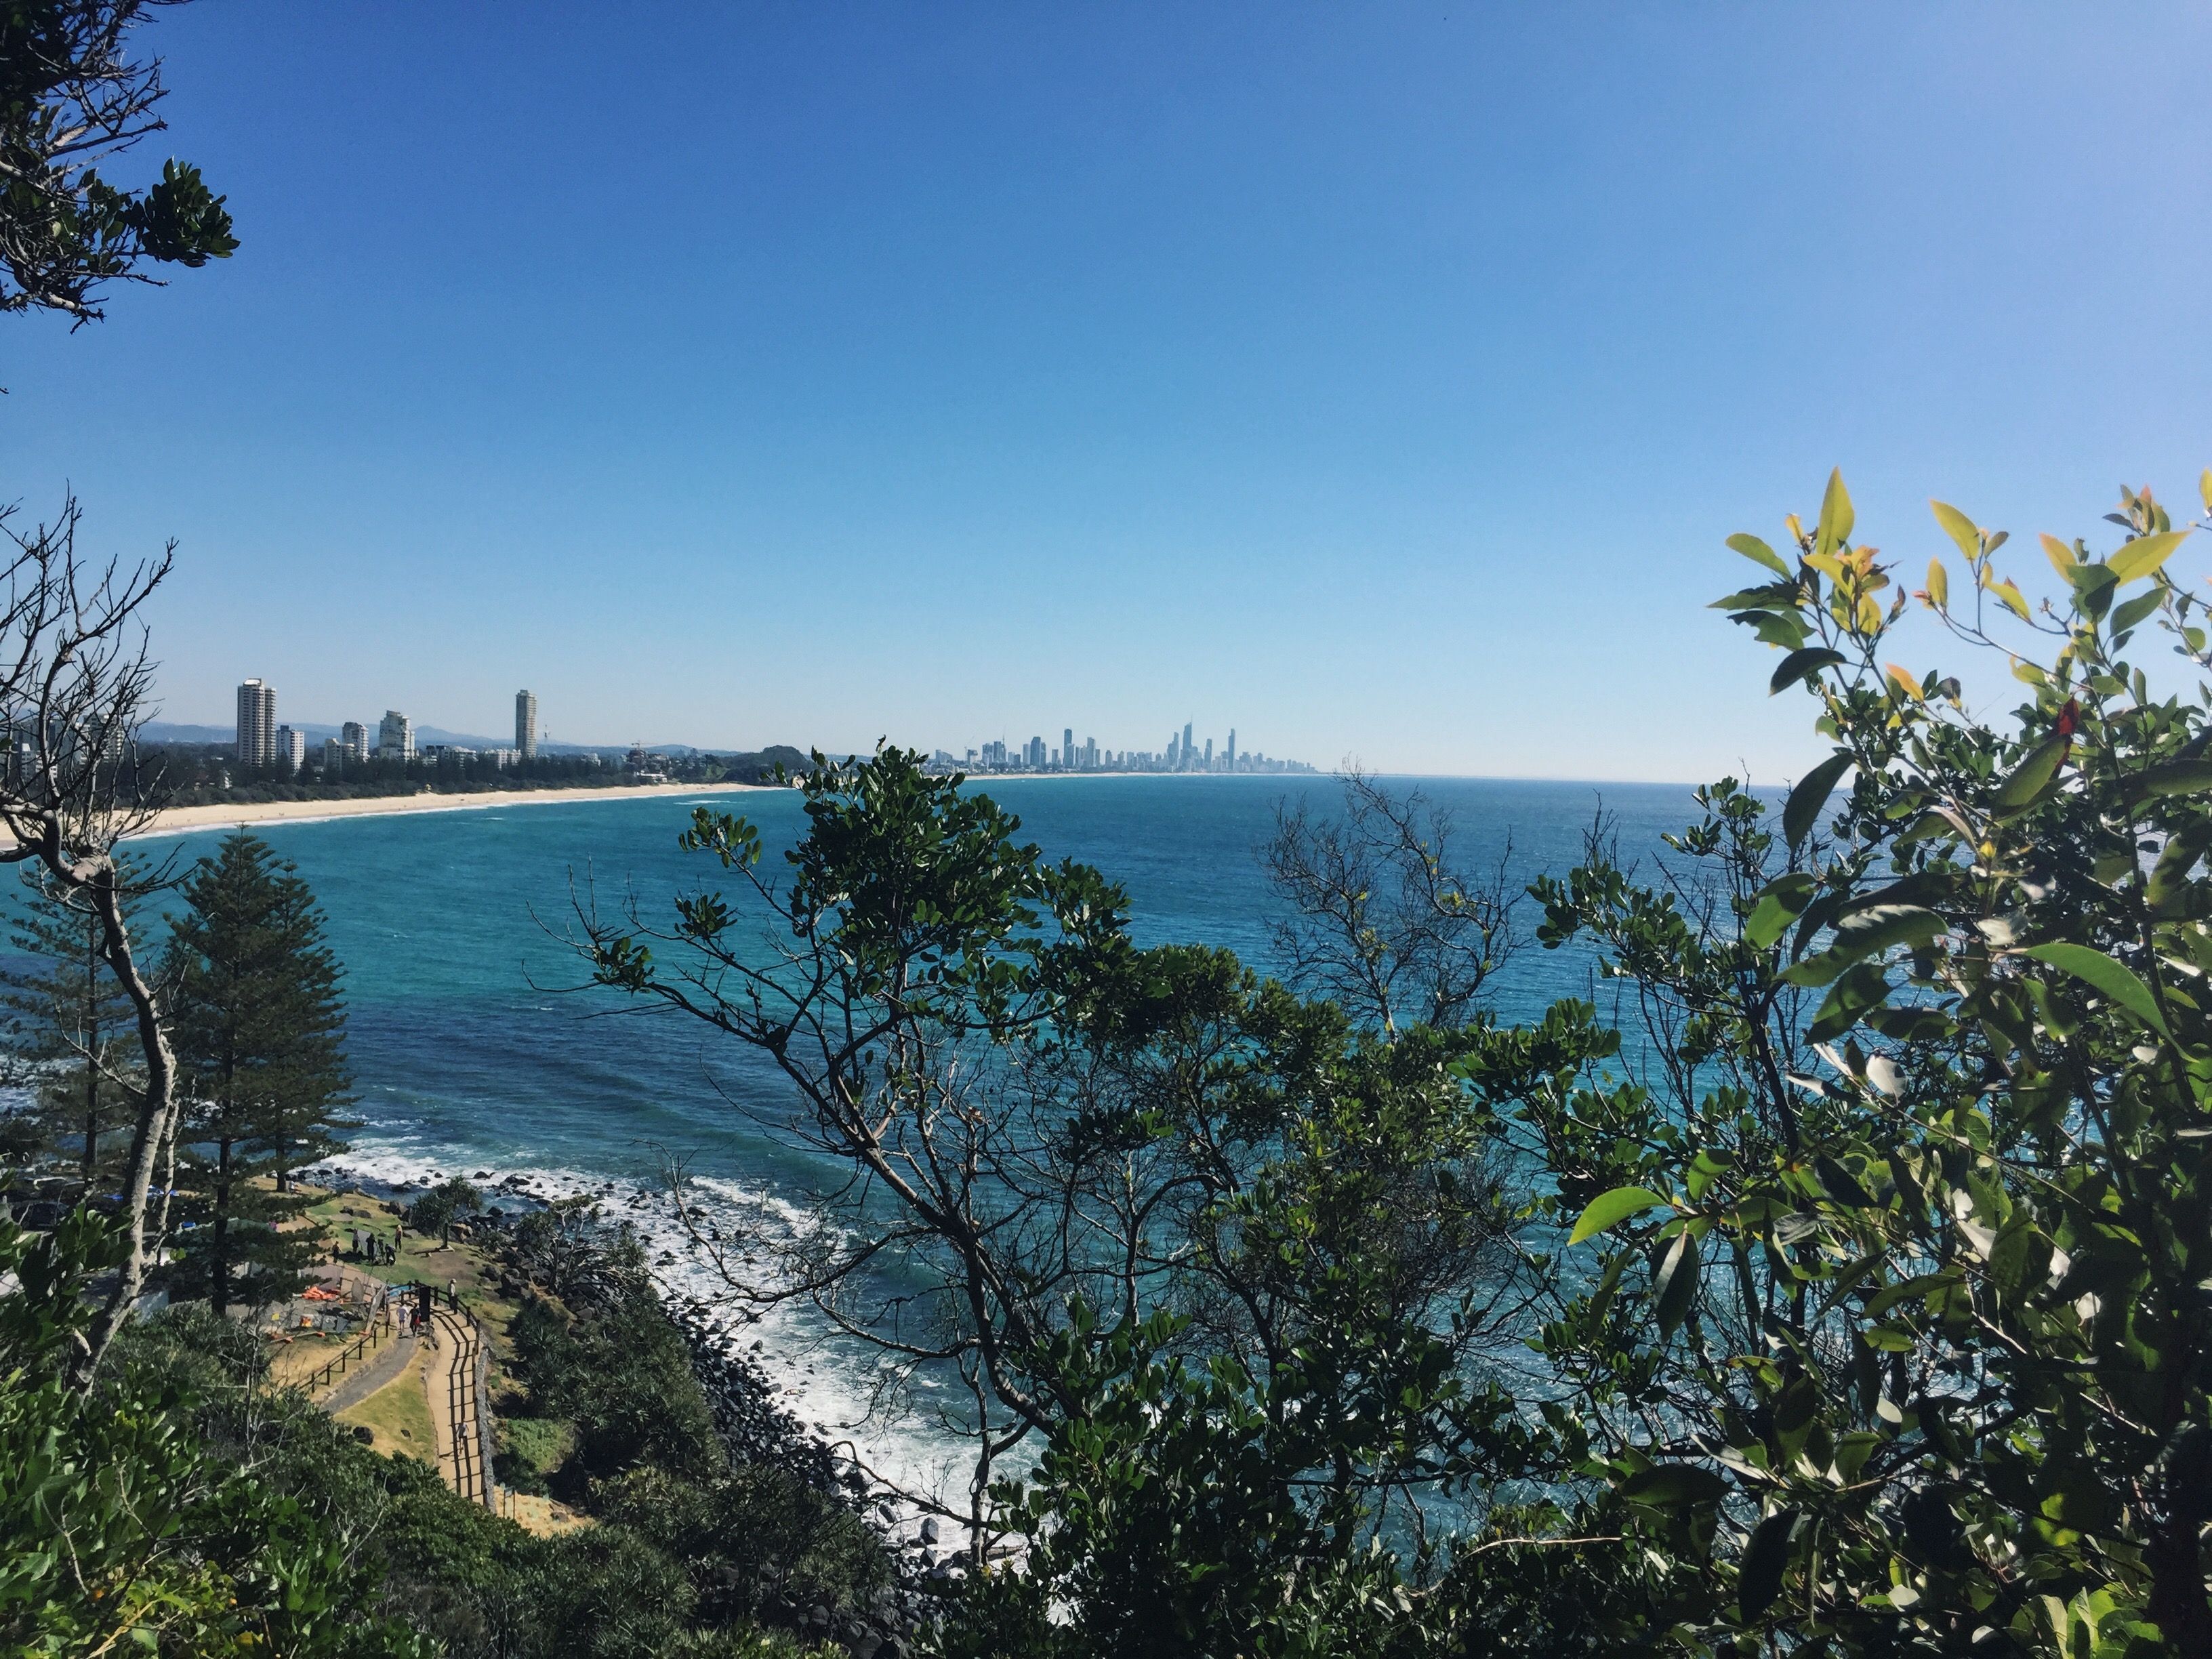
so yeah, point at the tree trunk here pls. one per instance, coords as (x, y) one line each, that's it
(91, 1024)
(219, 1231)
(157, 1111)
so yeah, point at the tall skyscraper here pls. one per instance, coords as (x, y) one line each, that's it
(525, 725)
(334, 756)
(1067, 749)
(395, 737)
(1187, 750)
(291, 748)
(353, 737)
(256, 724)
(1228, 761)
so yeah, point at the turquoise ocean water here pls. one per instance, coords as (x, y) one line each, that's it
(473, 1052)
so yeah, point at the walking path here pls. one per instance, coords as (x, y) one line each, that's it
(351, 1390)
(454, 1409)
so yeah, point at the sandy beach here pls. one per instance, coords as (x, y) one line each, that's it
(178, 820)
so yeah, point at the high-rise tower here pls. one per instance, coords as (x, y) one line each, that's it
(395, 737)
(525, 725)
(257, 723)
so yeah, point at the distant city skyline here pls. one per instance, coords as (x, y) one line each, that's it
(260, 739)
(1182, 753)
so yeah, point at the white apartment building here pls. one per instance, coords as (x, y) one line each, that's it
(257, 723)
(395, 737)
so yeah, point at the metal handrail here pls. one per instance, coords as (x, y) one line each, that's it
(376, 1334)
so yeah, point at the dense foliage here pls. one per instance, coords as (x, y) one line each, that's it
(72, 98)
(123, 1522)
(1861, 1289)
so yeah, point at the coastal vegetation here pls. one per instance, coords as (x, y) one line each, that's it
(1831, 1280)
(1842, 1292)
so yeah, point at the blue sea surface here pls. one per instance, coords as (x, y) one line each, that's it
(472, 1044)
(477, 1047)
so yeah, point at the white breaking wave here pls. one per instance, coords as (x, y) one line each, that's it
(821, 1378)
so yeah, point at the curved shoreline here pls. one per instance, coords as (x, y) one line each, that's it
(184, 820)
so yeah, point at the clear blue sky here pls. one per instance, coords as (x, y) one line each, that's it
(1380, 380)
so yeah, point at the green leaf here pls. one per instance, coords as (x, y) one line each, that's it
(1810, 795)
(1798, 664)
(1862, 933)
(1677, 1282)
(1908, 1024)
(1780, 903)
(1959, 528)
(1836, 520)
(2144, 555)
(2032, 776)
(1939, 584)
(2019, 1261)
(1754, 598)
(2115, 981)
(1860, 988)
(1783, 629)
(2169, 876)
(1664, 1486)
(1602, 1298)
(1609, 1210)
(2129, 615)
(1758, 553)
(1926, 1285)
(1759, 1579)
(1840, 1184)
(2183, 777)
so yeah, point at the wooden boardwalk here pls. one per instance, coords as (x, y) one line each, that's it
(459, 1412)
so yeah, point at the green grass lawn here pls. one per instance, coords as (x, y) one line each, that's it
(398, 1416)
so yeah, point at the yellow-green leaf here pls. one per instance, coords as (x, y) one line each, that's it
(2060, 556)
(1903, 682)
(1959, 528)
(1939, 584)
(2007, 592)
(1836, 520)
(1609, 1210)
(2144, 555)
